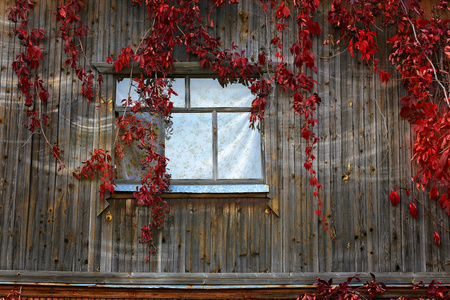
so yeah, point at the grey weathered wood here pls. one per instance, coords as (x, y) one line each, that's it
(51, 222)
(143, 279)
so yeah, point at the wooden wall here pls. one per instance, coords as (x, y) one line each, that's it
(51, 222)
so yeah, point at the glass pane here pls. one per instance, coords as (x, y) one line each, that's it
(129, 167)
(178, 85)
(122, 88)
(239, 147)
(189, 147)
(209, 93)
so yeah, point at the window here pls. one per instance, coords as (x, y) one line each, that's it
(211, 147)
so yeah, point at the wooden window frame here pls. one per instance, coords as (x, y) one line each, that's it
(206, 186)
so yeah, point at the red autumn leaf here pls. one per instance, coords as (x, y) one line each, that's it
(384, 76)
(44, 95)
(62, 12)
(395, 198)
(413, 210)
(118, 65)
(447, 51)
(437, 238)
(444, 203)
(307, 165)
(262, 58)
(434, 193)
(408, 191)
(313, 27)
(282, 11)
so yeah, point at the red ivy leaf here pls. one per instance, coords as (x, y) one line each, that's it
(437, 238)
(395, 198)
(118, 65)
(313, 181)
(434, 193)
(444, 203)
(413, 210)
(44, 95)
(385, 76)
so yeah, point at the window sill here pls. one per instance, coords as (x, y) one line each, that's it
(204, 188)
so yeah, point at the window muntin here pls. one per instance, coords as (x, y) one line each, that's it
(210, 140)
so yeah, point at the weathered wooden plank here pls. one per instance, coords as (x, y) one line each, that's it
(191, 293)
(62, 190)
(107, 241)
(277, 223)
(87, 141)
(358, 170)
(218, 245)
(132, 241)
(189, 232)
(345, 152)
(230, 241)
(77, 150)
(52, 133)
(145, 279)
(5, 92)
(12, 143)
(383, 184)
(202, 239)
(326, 114)
(121, 238)
(371, 171)
(255, 233)
(394, 165)
(37, 231)
(87, 223)
(208, 233)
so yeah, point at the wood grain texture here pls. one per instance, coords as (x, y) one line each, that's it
(51, 222)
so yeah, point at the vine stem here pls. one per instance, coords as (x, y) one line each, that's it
(41, 126)
(427, 213)
(131, 75)
(426, 56)
(46, 139)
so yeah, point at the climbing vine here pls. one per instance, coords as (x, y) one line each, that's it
(420, 53)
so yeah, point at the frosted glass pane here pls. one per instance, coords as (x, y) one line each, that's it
(189, 148)
(178, 85)
(239, 147)
(129, 167)
(209, 93)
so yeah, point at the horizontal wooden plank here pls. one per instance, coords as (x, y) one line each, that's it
(191, 69)
(180, 68)
(51, 292)
(207, 279)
